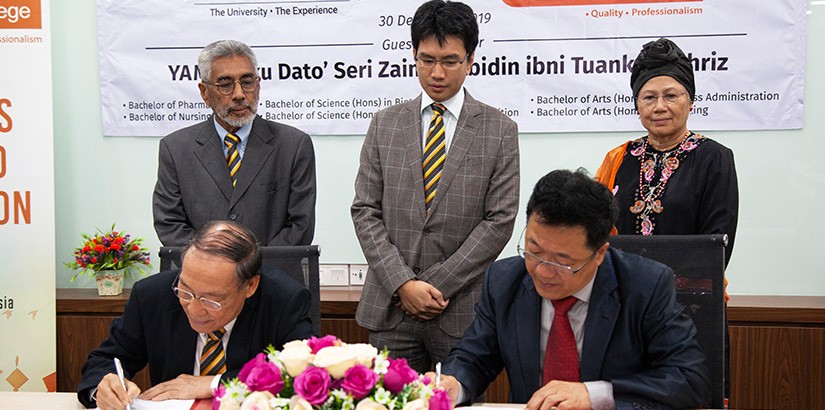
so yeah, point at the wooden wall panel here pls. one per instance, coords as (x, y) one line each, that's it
(776, 367)
(77, 335)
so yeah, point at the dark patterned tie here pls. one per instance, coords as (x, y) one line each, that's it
(233, 157)
(213, 360)
(561, 360)
(434, 154)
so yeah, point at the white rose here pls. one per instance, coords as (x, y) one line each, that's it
(258, 400)
(335, 359)
(295, 344)
(297, 403)
(228, 403)
(364, 353)
(368, 404)
(296, 358)
(417, 404)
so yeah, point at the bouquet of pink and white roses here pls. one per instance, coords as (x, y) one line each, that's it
(328, 374)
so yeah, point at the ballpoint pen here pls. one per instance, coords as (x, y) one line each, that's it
(119, 369)
(437, 374)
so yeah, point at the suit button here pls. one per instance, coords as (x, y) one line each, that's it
(416, 270)
(426, 231)
(233, 217)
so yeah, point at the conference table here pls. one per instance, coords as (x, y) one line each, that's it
(37, 401)
(68, 401)
(59, 401)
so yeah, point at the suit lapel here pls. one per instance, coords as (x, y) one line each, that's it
(410, 130)
(258, 149)
(183, 362)
(209, 152)
(243, 335)
(528, 334)
(465, 134)
(602, 313)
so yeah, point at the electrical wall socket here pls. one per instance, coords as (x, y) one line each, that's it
(333, 275)
(357, 274)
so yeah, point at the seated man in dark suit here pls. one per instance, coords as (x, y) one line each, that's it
(624, 340)
(197, 325)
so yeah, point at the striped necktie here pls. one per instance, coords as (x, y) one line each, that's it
(434, 154)
(213, 359)
(233, 157)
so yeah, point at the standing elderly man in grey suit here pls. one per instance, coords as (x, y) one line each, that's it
(235, 165)
(435, 197)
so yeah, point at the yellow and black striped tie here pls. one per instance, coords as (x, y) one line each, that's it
(213, 359)
(233, 157)
(434, 154)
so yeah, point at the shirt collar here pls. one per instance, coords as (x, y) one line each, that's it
(453, 104)
(584, 293)
(228, 327)
(242, 133)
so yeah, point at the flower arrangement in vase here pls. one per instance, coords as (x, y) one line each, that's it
(108, 257)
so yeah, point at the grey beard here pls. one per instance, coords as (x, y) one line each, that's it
(243, 121)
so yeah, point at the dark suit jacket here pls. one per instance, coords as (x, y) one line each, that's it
(154, 330)
(470, 220)
(636, 336)
(274, 197)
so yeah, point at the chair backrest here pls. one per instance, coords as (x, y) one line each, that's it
(299, 262)
(698, 261)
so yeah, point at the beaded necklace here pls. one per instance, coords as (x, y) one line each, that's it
(649, 194)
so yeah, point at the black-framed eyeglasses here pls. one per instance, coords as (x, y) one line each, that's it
(447, 63)
(669, 98)
(227, 87)
(188, 297)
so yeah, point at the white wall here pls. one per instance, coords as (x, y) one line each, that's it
(100, 180)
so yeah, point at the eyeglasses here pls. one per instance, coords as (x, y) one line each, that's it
(534, 259)
(188, 297)
(227, 87)
(670, 98)
(448, 64)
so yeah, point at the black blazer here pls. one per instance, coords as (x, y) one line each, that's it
(154, 330)
(636, 336)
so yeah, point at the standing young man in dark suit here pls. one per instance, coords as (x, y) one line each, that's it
(624, 342)
(171, 318)
(436, 196)
(236, 165)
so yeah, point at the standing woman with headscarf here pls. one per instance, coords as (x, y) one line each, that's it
(672, 181)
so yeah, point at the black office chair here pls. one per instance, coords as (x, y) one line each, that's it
(300, 262)
(698, 262)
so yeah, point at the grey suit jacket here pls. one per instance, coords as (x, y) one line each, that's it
(274, 196)
(470, 220)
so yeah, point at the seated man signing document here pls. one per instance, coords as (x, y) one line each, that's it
(197, 325)
(576, 323)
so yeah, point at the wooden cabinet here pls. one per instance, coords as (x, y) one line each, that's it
(777, 343)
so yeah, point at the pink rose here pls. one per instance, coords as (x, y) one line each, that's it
(313, 385)
(359, 381)
(219, 392)
(260, 375)
(440, 400)
(316, 344)
(398, 375)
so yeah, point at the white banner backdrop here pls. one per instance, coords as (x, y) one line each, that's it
(327, 66)
(27, 261)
